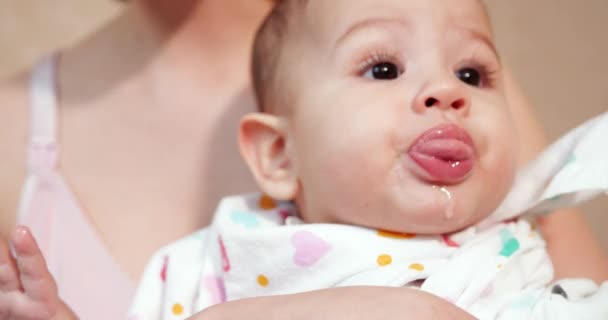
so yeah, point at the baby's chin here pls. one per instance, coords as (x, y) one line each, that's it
(439, 212)
(422, 207)
(434, 224)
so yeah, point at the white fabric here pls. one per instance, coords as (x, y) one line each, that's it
(495, 270)
(43, 132)
(570, 171)
(44, 102)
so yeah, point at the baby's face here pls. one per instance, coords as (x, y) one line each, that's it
(399, 121)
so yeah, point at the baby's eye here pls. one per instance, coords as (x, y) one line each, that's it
(470, 76)
(383, 71)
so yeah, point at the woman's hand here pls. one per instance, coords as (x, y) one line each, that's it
(27, 289)
(339, 303)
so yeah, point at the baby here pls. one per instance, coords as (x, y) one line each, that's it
(384, 146)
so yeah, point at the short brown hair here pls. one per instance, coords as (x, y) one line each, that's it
(268, 48)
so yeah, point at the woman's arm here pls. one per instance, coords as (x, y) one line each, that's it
(570, 242)
(339, 303)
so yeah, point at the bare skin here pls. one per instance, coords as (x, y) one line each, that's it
(27, 289)
(346, 303)
(193, 55)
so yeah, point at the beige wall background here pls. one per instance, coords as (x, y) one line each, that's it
(558, 49)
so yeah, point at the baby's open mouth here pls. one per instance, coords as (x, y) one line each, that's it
(445, 152)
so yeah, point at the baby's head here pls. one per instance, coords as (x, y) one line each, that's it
(378, 112)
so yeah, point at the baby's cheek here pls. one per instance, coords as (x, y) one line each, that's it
(499, 172)
(500, 151)
(326, 178)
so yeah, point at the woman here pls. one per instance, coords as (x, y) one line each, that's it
(148, 107)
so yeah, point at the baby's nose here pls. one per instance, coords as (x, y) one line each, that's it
(446, 95)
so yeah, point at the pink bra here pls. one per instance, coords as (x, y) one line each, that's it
(89, 279)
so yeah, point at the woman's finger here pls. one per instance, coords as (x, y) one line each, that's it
(9, 273)
(35, 278)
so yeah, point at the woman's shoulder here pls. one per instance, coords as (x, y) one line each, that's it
(14, 128)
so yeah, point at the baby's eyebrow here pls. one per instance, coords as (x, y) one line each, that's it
(470, 33)
(479, 36)
(369, 23)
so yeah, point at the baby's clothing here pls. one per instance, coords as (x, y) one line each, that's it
(88, 278)
(498, 269)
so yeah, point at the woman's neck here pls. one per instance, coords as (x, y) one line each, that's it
(204, 44)
(198, 26)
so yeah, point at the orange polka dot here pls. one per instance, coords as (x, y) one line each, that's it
(267, 203)
(263, 281)
(395, 235)
(384, 260)
(177, 309)
(416, 267)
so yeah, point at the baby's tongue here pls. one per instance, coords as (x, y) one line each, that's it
(446, 154)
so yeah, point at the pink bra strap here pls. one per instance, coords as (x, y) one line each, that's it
(43, 152)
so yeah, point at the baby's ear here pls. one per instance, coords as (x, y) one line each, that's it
(263, 144)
